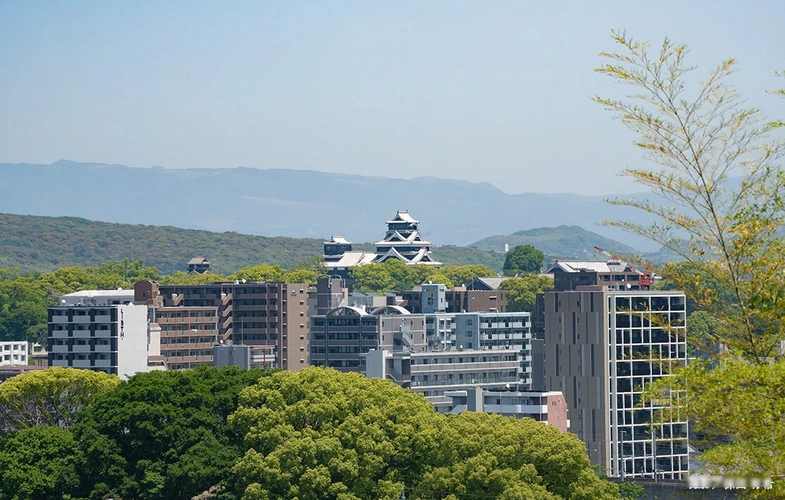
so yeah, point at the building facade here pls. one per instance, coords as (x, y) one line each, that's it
(340, 338)
(602, 347)
(435, 374)
(14, 352)
(100, 330)
(271, 318)
(547, 407)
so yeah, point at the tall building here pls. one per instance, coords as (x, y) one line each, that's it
(100, 330)
(602, 346)
(271, 318)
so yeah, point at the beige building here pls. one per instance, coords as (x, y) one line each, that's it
(271, 318)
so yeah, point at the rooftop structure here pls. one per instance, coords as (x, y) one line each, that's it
(199, 265)
(402, 241)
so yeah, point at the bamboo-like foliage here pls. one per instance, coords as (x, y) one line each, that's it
(718, 195)
(717, 201)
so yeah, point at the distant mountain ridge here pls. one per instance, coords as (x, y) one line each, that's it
(294, 203)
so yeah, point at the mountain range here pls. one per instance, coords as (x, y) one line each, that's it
(299, 203)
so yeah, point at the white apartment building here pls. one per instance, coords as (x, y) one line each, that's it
(547, 407)
(434, 374)
(101, 330)
(13, 353)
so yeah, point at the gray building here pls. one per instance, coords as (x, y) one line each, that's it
(340, 337)
(602, 346)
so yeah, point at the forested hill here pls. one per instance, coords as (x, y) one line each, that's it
(571, 242)
(42, 244)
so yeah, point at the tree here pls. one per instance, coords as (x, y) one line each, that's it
(322, 434)
(260, 272)
(373, 277)
(53, 397)
(162, 434)
(38, 462)
(702, 328)
(522, 292)
(463, 275)
(182, 278)
(523, 259)
(718, 203)
(725, 226)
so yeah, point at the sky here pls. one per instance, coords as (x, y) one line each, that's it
(485, 91)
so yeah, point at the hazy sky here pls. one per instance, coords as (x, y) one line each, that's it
(485, 91)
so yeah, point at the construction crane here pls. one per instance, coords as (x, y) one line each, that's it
(646, 278)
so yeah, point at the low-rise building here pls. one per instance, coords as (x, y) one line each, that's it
(14, 352)
(548, 407)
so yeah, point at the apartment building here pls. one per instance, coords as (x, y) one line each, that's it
(457, 299)
(340, 337)
(602, 346)
(101, 330)
(547, 407)
(271, 318)
(435, 374)
(14, 352)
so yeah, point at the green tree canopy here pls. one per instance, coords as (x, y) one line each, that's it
(260, 272)
(38, 462)
(322, 434)
(162, 434)
(522, 292)
(523, 259)
(53, 397)
(463, 275)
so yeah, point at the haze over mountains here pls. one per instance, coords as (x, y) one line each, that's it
(297, 203)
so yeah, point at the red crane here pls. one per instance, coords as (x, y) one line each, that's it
(646, 278)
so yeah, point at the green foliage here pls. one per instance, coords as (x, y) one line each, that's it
(260, 272)
(727, 230)
(468, 256)
(322, 434)
(736, 408)
(463, 275)
(38, 462)
(394, 275)
(50, 397)
(522, 292)
(43, 244)
(23, 303)
(183, 278)
(632, 491)
(720, 206)
(523, 259)
(163, 434)
(702, 328)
